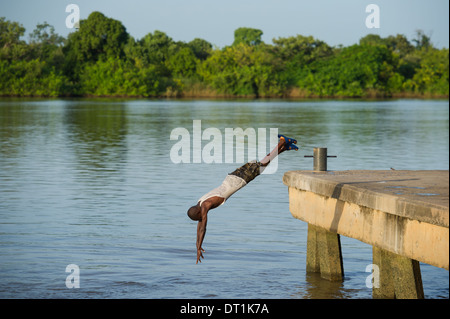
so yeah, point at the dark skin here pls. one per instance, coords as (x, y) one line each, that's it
(200, 213)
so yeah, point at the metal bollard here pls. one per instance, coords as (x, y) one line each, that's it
(320, 158)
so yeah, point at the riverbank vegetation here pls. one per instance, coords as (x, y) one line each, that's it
(102, 59)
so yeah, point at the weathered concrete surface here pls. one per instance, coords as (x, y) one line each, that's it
(330, 255)
(400, 277)
(404, 212)
(323, 254)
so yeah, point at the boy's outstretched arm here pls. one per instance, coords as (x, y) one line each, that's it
(201, 231)
(207, 205)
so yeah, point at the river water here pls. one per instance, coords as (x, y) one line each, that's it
(92, 184)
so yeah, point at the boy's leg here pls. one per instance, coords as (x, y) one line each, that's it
(280, 148)
(285, 143)
(250, 170)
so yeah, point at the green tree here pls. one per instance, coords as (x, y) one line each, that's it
(297, 53)
(46, 45)
(422, 40)
(157, 46)
(201, 48)
(308, 47)
(30, 78)
(11, 46)
(399, 44)
(10, 32)
(432, 77)
(45, 34)
(242, 70)
(248, 36)
(116, 77)
(372, 39)
(356, 71)
(98, 37)
(102, 59)
(134, 52)
(183, 63)
(30, 69)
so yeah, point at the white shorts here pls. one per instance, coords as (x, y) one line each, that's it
(230, 185)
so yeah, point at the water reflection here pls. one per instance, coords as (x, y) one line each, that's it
(97, 135)
(318, 288)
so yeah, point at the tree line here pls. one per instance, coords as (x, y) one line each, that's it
(102, 59)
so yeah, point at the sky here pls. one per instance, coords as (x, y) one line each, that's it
(337, 22)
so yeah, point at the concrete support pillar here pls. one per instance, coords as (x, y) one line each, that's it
(312, 253)
(400, 276)
(324, 254)
(383, 287)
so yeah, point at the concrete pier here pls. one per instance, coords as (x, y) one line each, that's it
(404, 215)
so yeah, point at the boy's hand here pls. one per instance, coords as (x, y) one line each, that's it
(200, 252)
